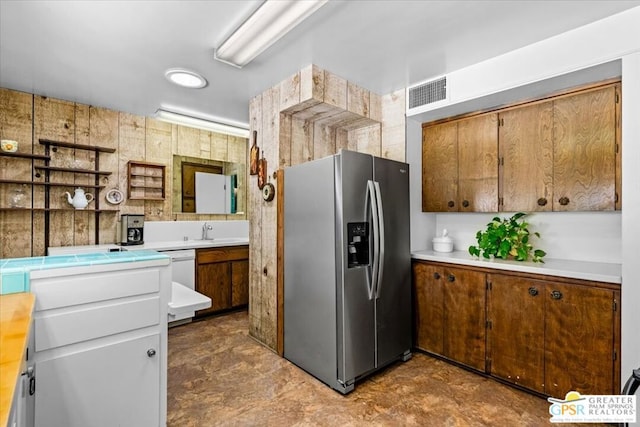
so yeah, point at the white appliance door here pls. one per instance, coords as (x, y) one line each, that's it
(211, 194)
(184, 299)
(184, 302)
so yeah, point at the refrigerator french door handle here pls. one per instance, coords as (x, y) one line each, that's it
(376, 238)
(381, 238)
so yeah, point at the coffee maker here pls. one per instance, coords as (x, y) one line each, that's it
(131, 229)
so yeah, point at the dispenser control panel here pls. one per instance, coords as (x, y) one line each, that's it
(357, 244)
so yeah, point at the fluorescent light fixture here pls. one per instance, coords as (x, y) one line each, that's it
(185, 78)
(272, 20)
(195, 122)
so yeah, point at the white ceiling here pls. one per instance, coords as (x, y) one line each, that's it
(114, 53)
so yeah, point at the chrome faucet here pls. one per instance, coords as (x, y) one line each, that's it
(205, 231)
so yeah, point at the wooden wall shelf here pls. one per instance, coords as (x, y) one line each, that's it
(146, 181)
(51, 184)
(59, 210)
(95, 148)
(73, 170)
(52, 146)
(25, 155)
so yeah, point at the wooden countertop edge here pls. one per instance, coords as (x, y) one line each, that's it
(16, 312)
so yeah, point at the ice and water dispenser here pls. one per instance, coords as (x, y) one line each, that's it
(358, 244)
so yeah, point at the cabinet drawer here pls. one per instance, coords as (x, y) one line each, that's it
(205, 256)
(56, 330)
(68, 291)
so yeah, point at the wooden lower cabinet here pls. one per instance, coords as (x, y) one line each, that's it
(549, 335)
(450, 313)
(552, 337)
(222, 274)
(239, 283)
(580, 340)
(515, 339)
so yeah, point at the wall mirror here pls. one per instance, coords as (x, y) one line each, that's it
(204, 186)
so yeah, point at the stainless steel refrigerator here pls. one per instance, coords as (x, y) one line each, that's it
(347, 266)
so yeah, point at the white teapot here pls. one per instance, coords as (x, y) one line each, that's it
(80, 200)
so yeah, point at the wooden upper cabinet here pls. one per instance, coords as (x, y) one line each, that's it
(440, 168)
(478, 164)
(460, 166)
(560, 154)
(618, 147)
(584, 134)
(526, 158)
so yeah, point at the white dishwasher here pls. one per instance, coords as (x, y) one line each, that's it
(184, 298)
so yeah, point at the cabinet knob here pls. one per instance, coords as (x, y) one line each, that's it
(542, 201)
(564, 201)
(451, 204)
(465, 203)
(436, 275)
(451, 278)
(557, 295)
(151, 352)
(533, 291)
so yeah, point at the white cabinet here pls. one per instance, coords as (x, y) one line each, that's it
(18, 412)
(116, 384)
(99, 345)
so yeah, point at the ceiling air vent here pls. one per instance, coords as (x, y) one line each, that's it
(427, 93)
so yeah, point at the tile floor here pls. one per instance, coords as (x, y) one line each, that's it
(219, 376)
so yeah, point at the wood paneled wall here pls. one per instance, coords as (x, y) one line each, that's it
(26, 118)
(312, 114)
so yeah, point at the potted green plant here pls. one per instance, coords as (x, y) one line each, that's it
(507, 238)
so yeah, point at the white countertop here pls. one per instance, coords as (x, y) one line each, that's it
(596, 271)
(189, 244)
(170, 245)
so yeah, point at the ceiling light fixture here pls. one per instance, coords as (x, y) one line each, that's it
(272, 20)
(196, 122)
(185, 78)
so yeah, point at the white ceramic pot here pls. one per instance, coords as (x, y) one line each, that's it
(443, 243)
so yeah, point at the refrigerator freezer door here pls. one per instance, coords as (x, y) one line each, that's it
(310, 269)
(393, 305)
(356, 310)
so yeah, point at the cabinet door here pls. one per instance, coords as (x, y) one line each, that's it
(526, 158)
(478, 164)
(214, 281)
(239, 283)
(579, 340)
(465, 316)
(112, 385)
(429, 308)
(440, 168)
(584, 151)
(516, 334)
